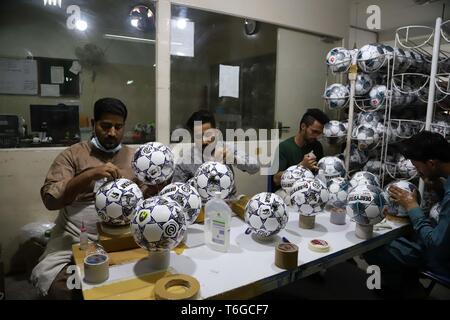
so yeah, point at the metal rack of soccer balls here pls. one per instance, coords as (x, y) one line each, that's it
(397, 92)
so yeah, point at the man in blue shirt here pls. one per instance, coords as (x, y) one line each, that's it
(429, 247)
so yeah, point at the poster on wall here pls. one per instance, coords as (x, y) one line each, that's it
(228, 81)
(182, 38)
(18, 76)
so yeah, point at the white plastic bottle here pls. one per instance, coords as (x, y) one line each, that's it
(217, 224)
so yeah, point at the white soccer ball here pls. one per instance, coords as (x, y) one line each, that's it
(337, 192)
(405, 168)
(441, 127)
(377, 96)
(358, 157)
(212, 177)
(293, 174)
(159, 224)
(367, 136)
(337, 95)
(363, 84)
(334, 129)
(309, 196)
(331, 167)
(339, 59)
(186, 196)
(394, 208)
(153, 163)
(362, 178)
(115, 201)
(402, 61)
(435, 212)
(266, 214)
(366, 204)
(369, 117)
(371, 57)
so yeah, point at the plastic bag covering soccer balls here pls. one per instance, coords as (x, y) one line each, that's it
(266, 214)
(293, 174)
(308, 196)
(159, 224)
(186, 196)
(339, 59)
(334, 129)
(331, 167)
(212, 177)
(364, 178)
(153, 163)
(116, 200)
(337, 95)
(366, 204)
(394, 208)
(371, 57)
(337, 192)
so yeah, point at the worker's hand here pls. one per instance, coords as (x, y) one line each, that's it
(108, 171)
(407, 200)
(309, 162)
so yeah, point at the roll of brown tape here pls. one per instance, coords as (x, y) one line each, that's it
(190, 284)
(286, 256)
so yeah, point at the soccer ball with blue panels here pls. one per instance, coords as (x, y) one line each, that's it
(366, 204)
(212, 177)
(186, 196)
(153, 163)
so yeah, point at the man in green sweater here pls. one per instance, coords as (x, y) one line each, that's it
(303, 148)
(429, 247)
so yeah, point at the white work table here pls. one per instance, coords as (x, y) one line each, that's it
(248, 269)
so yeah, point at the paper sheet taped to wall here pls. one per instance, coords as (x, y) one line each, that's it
(228, 81)
(18, 76)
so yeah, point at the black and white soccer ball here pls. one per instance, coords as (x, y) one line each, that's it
(371, 57)
(186, 196)
(366, 204)
(266, 214)
(398, 98)
(363, 84)
(331, 167)
(336, 95)
(367, 136)
(405, 168)
(334, 129)
(373, 166)
(441, 127)
(338, 189)
(293, 174)
(364, 178)
(115, 201)
(402, 62)
(192, 182)
(417, 64)
(377, 96)
(339, 59)
(212, 177)
(358, 157)
(369, 117)
(159, 224)
(309, 196)
(394, 208)
(153, 163)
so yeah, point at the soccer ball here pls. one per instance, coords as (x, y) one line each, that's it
(358, 157)
(417, 62)
(441, 127)
(159, 224)
(405, 168)
(371, 57)
(367, 136)
(153, 163)
(398, 98)
(336, 95)
(308, 196)
(331, 167)
(369, 117)
(266, 214)
(364, 178)
(377, 96)
(192, 182)
(363, 84)
(116, 200)
(292, 174)
(394, 208)
(337, 192)
(186, 196)
(334, 129)
(212, 177)
(339, 59)
(402, 62)
(435, 212)
(366, 204)
(373, 166)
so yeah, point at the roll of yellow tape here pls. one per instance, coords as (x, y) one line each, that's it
(190, 285)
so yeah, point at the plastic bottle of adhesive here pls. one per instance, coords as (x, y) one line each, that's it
(217, 224)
